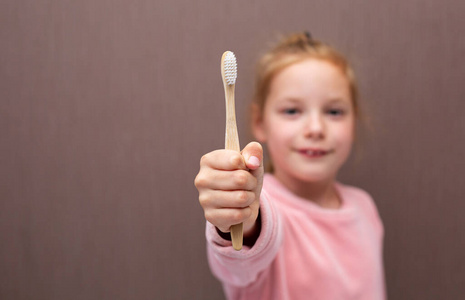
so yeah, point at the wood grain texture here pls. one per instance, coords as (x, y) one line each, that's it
(100, 142)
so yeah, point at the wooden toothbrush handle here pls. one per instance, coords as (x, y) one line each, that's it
(232, 143)
(236, 236)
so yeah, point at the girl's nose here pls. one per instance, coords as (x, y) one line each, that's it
(314, 127)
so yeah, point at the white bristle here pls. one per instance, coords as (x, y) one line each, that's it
(230, 68)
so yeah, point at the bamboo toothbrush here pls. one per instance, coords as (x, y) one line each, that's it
(229, 74)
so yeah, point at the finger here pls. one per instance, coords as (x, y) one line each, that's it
(223, 219)
(226, 199)
(223, 159)
(253, 155)
(226, 180)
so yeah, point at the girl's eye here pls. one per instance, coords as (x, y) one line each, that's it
(290, 111)
(335, 112)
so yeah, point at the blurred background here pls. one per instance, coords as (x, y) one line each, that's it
(107, 106)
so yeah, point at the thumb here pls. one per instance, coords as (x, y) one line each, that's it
(253, 155)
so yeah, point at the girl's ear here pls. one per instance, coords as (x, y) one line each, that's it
(258, 128)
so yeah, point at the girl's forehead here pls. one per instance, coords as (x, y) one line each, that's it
(311, 78)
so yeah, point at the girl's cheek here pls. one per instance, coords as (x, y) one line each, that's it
(283, 132)
(346, 137)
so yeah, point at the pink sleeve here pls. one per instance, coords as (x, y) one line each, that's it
(239, 268)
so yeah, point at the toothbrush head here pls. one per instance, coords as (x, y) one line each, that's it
(229, 68)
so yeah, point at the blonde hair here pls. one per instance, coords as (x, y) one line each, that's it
(293, 49)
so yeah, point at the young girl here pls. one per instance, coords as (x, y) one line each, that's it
(306, 235)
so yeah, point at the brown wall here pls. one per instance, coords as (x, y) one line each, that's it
(107, 106)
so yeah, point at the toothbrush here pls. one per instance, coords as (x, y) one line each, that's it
(229, 75)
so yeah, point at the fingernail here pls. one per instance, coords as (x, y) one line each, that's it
(254, 161)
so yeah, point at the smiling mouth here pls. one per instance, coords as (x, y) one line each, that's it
(315, 153)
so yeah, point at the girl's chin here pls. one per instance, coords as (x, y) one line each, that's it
(315, 177)
(311, 176)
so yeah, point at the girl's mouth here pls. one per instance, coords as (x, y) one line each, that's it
(314, 153)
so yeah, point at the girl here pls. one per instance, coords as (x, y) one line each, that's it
(306, 235)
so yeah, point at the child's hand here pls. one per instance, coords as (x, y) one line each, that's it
(229, 185)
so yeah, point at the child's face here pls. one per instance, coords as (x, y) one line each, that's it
(307, 122)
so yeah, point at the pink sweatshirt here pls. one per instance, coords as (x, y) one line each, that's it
(305, 251)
